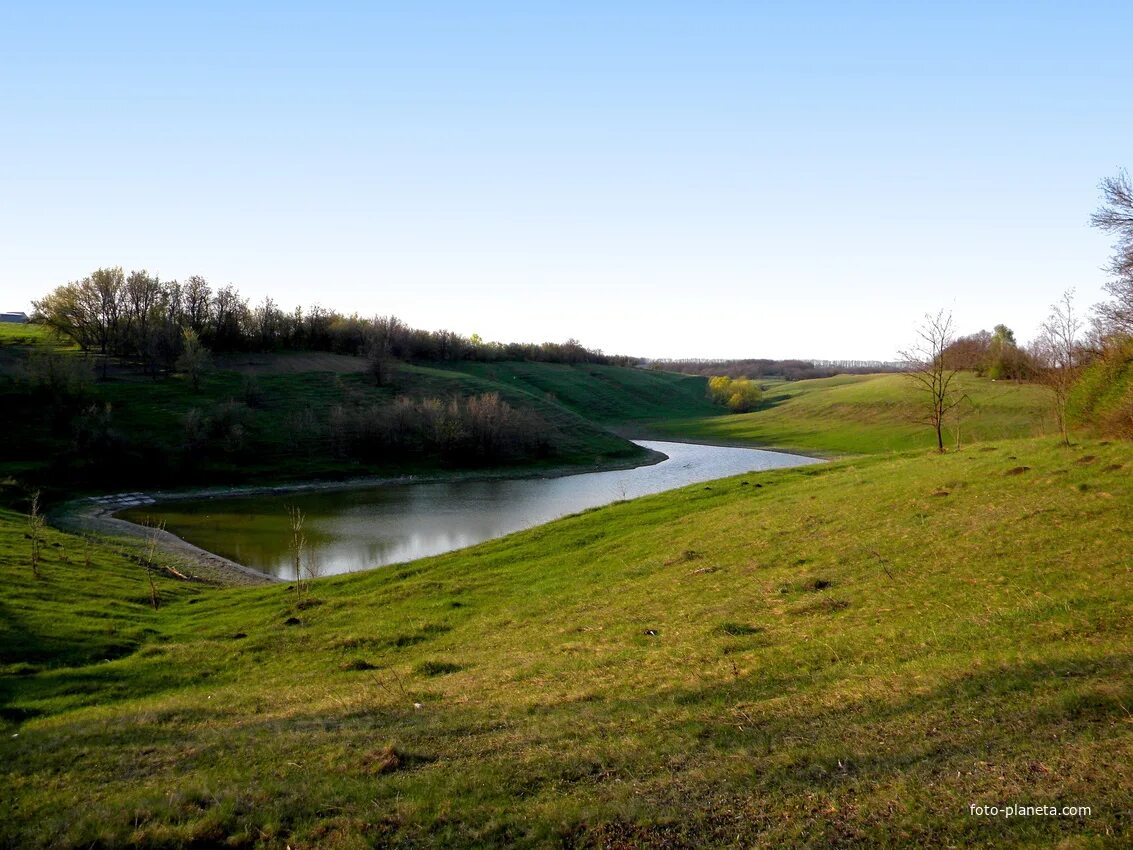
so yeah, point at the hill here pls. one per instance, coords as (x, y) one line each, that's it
(849, 655)
(863, 414)
(293, 416)
(607, 394)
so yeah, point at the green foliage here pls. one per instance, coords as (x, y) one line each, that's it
(1102, 398)
(607, 394)
(62, 376)
(838, 678)
(271, 417)
(194, 358)
(739, 395)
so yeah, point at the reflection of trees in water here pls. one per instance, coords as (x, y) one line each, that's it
(355, 530)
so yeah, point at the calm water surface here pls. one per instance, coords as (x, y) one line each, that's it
(358, 529)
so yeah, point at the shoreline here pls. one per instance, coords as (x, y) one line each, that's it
(96, 514)
(661, 437)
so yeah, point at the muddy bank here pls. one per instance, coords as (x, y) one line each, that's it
(96, 516)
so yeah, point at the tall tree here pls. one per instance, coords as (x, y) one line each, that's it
(141, 315)
(197, 298)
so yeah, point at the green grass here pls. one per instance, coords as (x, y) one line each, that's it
(14, 333)
(847, 655)
(610, 394)
(864, 414)
(283, 420)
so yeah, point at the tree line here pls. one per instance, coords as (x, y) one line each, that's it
(139, 317)
(791, 370)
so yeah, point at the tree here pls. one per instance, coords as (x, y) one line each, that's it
(142, 315)
(383, 343)
(1005, 359)
(194, 359)
(90, 311)
(296, 541)
(1057, 351)
(36, 522)
(1116, 216)
(740, 395)
(929, 368)
(197, 297)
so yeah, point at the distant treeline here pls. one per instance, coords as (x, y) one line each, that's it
(138, 316)
(791, 370)
(994, 354)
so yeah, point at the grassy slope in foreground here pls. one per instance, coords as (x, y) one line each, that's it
(847, 655)
(852, 414)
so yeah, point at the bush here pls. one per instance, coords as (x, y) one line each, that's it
(60, 376)
(738, 394)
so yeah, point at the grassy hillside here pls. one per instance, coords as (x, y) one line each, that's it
(1102, 400)
(610, 394)
(851, 414)
(847, 655)
(265, 417)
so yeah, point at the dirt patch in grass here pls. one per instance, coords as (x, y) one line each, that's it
(437, 668)
(390, 758)
(738, 629)
(826, 605)
(358, 664)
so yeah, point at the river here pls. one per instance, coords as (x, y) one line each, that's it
(349, 530)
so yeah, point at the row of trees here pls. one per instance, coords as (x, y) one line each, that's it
(140, 317)
(477, 429)
(791, 370)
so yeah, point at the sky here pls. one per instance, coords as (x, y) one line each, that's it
(752, 179)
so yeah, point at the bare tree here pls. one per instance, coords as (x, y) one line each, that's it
(1116, 216)
(1057, 352)
(296, 543)
(929, 368)
(382, 345)
(36, 522)
(150, 564)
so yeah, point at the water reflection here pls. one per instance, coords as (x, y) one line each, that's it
(359, 529)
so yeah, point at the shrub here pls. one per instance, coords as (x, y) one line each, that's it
(738, 394)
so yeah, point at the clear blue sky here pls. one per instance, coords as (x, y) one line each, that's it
(694, 179)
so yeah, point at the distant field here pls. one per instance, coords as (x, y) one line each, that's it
(838, 656)
(865, 414)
